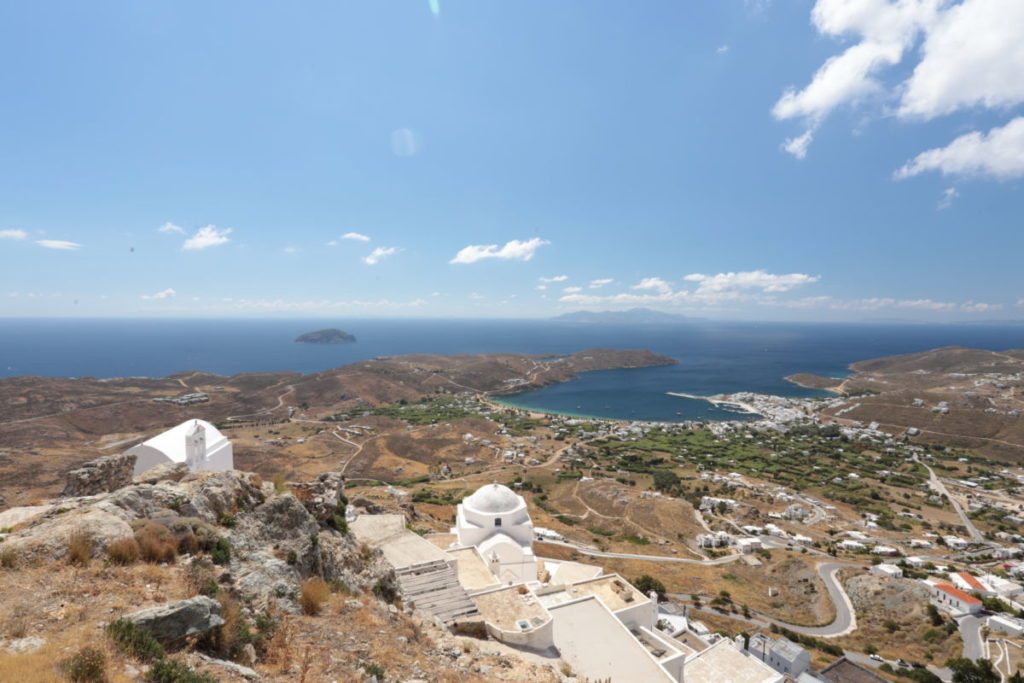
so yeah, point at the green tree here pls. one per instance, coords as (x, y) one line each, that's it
(972, 671)
(647, 583)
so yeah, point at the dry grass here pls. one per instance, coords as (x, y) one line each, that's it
(313, 594)
(123, 551)
(156, 543)
(79, 548)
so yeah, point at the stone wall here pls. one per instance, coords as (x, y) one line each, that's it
(101, 475)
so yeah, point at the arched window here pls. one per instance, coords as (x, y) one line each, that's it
(497, 521)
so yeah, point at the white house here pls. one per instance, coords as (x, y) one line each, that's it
(888, 570)
(783, 655)
(953, 600)
(196, 443)
(847, 544)
(495, 520)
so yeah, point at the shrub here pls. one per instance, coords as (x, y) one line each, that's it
(228, 520)
(79, 548)
(156, 542)
(221, 552)
(88, 665)
(134, 641)
(313, 594)
(8, 558)
(173, 671)
(374, 670)
(386, 590)
(123, 551)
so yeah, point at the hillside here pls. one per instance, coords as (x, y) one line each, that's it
(952, 396)
(49, 425)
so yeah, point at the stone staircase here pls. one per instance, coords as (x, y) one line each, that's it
(434, 588)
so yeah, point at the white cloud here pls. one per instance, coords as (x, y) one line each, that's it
(572, 290)
(332, 243)
(798, 146)
(948, 195)
(878, 303)
(972, 55)
(59, 244)
(998, 154)
(722, 49)
(514, 250)
(13, 234)
(752, 279)
(557, 278)
(165, 294)
(1020, 302)
(206, 237)
(290, 250)
(378, 254)
(359, 237)
(171, 227)
(404, 143)
(599, 283)
(711, 289)
(655, 284)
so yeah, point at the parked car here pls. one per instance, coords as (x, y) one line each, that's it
(902, 663)
(877, 658)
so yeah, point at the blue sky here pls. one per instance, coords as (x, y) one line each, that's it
(829, 160)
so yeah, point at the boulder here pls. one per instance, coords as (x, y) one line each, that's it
(174, 621)
(101, 475)
(168, 471)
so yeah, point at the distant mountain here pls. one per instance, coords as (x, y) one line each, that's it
(632, 316)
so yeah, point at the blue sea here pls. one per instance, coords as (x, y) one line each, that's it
(714, 357)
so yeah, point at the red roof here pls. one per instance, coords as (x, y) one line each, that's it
(958, 594)
(971, 581)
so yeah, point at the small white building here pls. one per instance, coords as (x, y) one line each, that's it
(888, 570)
(196, 443)
(783, 655)
(884, 550)
(847, 544)
(1006, 624)
(955, 543)
(748, 545)
(917, 562)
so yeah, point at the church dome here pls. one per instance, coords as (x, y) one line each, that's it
(493, 498)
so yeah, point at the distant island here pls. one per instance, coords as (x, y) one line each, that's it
(329, 336)
(632, 316)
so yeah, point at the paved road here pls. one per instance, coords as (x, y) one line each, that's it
(970, 631)
(653, 558)
(935, 483)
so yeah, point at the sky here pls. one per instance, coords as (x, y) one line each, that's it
(824, 160)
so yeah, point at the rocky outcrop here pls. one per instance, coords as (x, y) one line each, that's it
(168, 471)
(101, 475)
(173, 622)
(322, 495)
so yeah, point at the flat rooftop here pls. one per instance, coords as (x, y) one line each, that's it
(504, 608)
(401, 547)
(473, 572)
(596, 644)
(614, 591)
(565, 571)
(723, 663)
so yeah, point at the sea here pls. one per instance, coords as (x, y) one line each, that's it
(713, 357)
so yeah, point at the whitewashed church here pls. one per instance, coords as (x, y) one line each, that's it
(197, 443)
